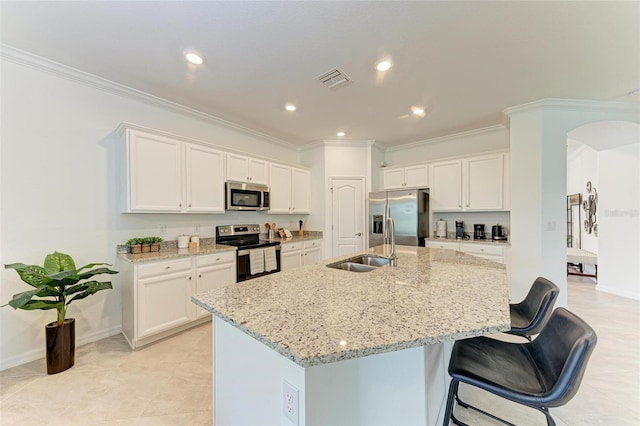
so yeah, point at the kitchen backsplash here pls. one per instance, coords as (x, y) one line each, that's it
(488, 219)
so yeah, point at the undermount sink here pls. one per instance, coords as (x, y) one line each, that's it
(364, 263)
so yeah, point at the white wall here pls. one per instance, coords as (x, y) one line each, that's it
(59, 191)
(619, 221)
(494, 138)
(314, 158)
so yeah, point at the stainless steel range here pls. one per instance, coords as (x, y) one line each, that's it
(247, 239)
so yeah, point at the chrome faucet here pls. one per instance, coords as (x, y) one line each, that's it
(390, 238)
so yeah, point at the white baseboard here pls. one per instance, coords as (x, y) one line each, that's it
(616, 292)
(36, 354)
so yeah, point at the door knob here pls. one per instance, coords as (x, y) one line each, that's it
(359, 234)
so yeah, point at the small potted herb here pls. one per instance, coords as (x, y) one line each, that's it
(155, 243)
(146, 244)
(135, 245)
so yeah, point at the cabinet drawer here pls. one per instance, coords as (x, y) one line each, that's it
(215, 258)
(482, 249)
(443, 245)
(156, 268)
(312, 243)
(286, 248)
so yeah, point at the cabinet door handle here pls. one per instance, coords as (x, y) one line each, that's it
(189, 278)
(359, 234)
(189, 205)
(217, 258)
(199, 275)
(167, 267)
(180, 205)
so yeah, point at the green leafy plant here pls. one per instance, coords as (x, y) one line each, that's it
(155, 240)
(134, 241)
(57, 284)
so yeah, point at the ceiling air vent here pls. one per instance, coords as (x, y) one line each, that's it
(334, 78)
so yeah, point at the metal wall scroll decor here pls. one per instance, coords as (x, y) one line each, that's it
(590, 206)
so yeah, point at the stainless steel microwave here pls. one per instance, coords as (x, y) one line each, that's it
(247, 196)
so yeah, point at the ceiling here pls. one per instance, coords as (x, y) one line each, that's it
(464, 62)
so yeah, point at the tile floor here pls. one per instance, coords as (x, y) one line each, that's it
(169, 382)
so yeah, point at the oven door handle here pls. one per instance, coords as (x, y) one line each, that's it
(246, 252)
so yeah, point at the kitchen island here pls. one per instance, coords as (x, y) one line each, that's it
(349, 347)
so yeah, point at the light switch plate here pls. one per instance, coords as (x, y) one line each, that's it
(290, 402)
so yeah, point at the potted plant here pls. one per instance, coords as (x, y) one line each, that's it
(155, 243)
(56, 285)
(135, 245)
(146, 244)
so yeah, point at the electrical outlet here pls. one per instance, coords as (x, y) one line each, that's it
(290, 402)
(196, 228)
(163, 229)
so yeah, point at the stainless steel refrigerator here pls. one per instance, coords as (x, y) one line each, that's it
(409, 210)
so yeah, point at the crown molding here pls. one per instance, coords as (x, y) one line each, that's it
(40, 63)
(348, 144)
(340, 143)
(475, 132)
(579, 105)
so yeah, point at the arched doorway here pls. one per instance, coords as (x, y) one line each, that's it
(606, 154)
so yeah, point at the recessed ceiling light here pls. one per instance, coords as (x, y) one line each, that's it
(290, 107)
(194, 58)
(417, 111)
(383, 65)
(340, 134)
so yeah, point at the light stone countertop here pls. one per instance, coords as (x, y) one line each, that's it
(173, 253)
(315, 315)
(505, 243)
(294, 238)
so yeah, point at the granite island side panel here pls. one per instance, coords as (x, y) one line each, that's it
(316, 315)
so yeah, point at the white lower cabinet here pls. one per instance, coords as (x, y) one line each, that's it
(213, 271)
(157, 295)
(494, 252)
(443, 245)
(293, 255)
(485, 251)
(163, 291)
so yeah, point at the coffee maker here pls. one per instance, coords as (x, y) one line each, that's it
(459, 229)
(478, 232)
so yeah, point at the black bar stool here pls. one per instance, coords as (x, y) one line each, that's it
(529, 316)
(543, 373)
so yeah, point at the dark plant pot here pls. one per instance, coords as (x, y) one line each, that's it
(61, 345)
(146, 248)
(155, 247)
(136, 248)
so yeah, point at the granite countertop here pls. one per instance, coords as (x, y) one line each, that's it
(472, 241)
(315, 315)
(293, 239)
(174, 252)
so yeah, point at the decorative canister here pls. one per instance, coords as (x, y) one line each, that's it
(441, 229)
(183, 241)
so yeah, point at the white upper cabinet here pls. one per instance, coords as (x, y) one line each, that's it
(406, 177)
(484, 183)
(290, 190)
(280, 188)
(153, 173)
(205, 179)
(445, 192)
(469, 184)
(300, 191)
(246, 169)
(167, 175)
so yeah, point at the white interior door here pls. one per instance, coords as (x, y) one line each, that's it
(347, 201)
